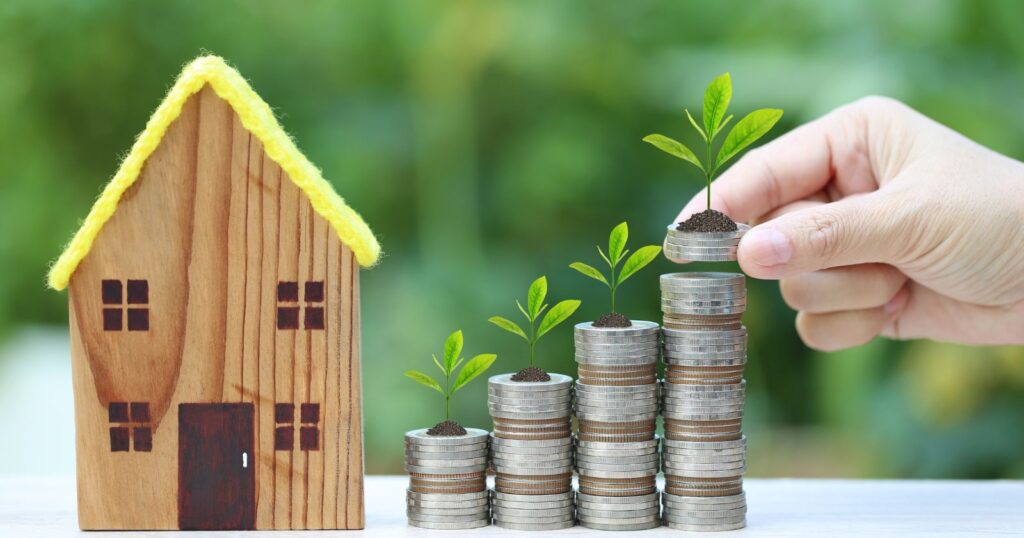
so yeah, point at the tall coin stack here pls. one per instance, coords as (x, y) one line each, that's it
(617, 411)
(705, 350)
(447, 480)
(531, 452)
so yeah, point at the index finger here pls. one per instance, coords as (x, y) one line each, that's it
(789, 168)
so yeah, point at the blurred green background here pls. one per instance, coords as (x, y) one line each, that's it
(491, 142)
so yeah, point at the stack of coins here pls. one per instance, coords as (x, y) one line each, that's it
(705, 350)
(447, 480)
(617, 410)
(531, 452)
(703, 246)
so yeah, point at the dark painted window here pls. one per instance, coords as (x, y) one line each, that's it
(310, 309)
(135, 428)
(115, 311)
(309, 430)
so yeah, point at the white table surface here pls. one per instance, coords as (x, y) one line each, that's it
(45, 506)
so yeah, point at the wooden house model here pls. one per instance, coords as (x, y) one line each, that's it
(214, 315)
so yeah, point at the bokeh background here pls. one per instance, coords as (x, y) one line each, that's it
(492, 142)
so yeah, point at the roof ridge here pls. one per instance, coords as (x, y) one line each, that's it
(258, 118)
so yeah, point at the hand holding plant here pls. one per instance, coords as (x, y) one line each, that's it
(744, 133)
(535, 306)
(616, 252)
(476, 366)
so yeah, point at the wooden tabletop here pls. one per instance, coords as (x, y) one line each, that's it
(45, 506)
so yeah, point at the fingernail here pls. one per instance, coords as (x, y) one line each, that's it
(767, 246)
(897, 302)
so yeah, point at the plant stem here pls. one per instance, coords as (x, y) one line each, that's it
(447, 398)
(710, 171)
(533, 341)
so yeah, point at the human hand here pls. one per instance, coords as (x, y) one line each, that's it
(877, 220)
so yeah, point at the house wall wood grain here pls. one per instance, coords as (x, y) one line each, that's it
(213, 225)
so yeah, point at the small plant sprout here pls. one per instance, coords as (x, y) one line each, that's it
(452, 349)
(616, 253)
(744, 133)
(535, 306)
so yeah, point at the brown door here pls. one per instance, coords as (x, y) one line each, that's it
(216, 467)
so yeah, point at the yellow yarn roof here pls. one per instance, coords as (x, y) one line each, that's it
(258, 118)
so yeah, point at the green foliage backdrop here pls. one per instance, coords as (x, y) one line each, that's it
(490, 142)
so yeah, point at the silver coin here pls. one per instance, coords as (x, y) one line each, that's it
(701, 503)
(568, 503)
(524, 416)
(653, 511)
(640, 356)
(591, 468)
(621, 526)
(445, 464)
(528, 464)
(711, 463)
(691, 520)
(593, 520)
(707, 510)
(478, 511)
(683, 334)
(440, 518)
(628, 341)
(512, 458)
(513, 513)
(420, 437)
(707, 528)
(539, 451)
(651, 497)
(504, 382)
(617, 446)
(703, 302)
(616, 455)
(446, 505)
(516, 497)
(638, 328)
(535, 526)
(446, 497)
(676, 393)
(616, 419)
(616, 361)
(703, 407)
(726, 388)
(725, 473)
(445, 451)
(446, 470)
(624, 464)
(625, 399)
(461, 455)
(632, 348)
(535, 519)
(451, 526)
(628, 406)
(679, 453)
(539, 443)
(529, 408)
(616, 507)
(707, 278)
(527, 399)
(700, 258)
(740, 359)
(536, 471)
(594, 473)
(600, 391)
(738, 233)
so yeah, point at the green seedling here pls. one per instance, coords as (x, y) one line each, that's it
(452, 349)
(535, 306)
(616, 252)
(744, 133)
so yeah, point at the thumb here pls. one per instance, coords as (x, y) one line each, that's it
(866, 228)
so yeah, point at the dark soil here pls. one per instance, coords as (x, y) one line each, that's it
(447, 428)
(708, 220)
(612, 319)
(531, 373)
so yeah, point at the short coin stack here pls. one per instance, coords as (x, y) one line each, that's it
(705, 351)
(617, 409)
(531, 452)
(447, 480)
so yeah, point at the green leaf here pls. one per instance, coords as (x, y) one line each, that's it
(424, 379)
(452, 350)
(695, 126)
(724, 123)
(674, 148)
(458, 362)
(509, 326)
(716, 101)
(617, 241)
(521, 309)
(439, 365)
(638, 261)
(605, 258)
(748, 130)
(589, 271)
(559, 313)
(476, 366)
(535, 296)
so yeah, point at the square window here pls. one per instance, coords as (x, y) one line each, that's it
(143, 439)
(112, 319)
(314, 318)
(117, 411)
(309, 438)
(138, 319)
(111, 291)
(119, 439)
(140, 411)
(315, 292)
(310, 413)
(284, 438)
(287, 317)
(288, 292)
(284, 413)
(138, 292)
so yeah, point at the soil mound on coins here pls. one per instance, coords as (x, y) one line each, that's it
(447, 428)
(531, 373)
(708, 220)
(612, 319)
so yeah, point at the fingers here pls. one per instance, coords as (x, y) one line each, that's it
(791, 167)
(839, 330)
(855, 287)
(872, 228)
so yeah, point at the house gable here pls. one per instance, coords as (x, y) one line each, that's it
(258, 118)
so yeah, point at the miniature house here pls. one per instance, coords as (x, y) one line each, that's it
(214, 315)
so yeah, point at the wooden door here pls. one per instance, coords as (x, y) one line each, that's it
(216, 466)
